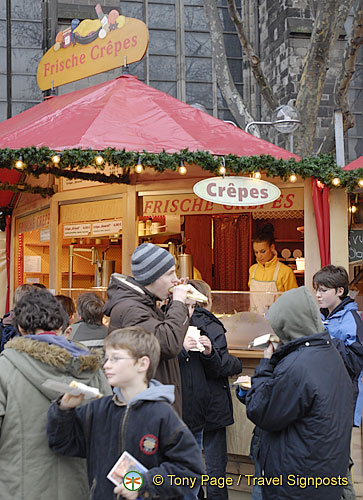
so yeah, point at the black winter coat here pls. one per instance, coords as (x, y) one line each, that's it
(194, 370)
(220, 409)
(150, 430)
(302, 398)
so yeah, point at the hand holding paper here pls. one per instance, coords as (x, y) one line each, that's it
(244, 381)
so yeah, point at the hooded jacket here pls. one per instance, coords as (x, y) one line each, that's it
(29, 470)
(302, 398)
(345, 326)
(131, 304)
(220, 410)
(147, 427)
(88, 334)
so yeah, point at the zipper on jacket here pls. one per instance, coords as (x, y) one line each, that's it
(122, 428)
(93, 487)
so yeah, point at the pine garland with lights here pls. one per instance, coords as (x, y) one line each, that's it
(70, 163)
(26, 188)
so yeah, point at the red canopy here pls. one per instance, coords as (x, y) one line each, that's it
(126, 113)
(358, 163)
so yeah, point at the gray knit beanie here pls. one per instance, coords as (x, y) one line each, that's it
(149, 262)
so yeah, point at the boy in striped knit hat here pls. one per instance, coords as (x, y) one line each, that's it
(133, 301)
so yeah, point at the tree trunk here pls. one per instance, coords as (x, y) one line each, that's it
(253, 59)
(330, 14)
(347, 71)
(224, 78)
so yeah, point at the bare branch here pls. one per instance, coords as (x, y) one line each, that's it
(224, 78)
(312, 80)
(348, 68)
(344, 79)
(254, 60)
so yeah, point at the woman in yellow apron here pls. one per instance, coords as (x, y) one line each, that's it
(269, 274)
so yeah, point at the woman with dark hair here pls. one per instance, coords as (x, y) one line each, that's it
(268, 274)
(40, 354)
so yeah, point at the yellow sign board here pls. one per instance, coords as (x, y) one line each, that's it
(191, 204)
(93, 46)
(34, 221)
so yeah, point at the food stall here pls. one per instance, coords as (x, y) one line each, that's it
(125, 163)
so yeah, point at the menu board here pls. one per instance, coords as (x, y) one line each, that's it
(355, 245)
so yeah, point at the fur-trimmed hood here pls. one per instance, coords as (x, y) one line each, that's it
(44, 357)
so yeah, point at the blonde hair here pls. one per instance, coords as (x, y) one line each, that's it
(20, 291)
(202, 287)
(139, 343)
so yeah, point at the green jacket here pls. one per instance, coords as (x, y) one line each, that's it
(28, 469)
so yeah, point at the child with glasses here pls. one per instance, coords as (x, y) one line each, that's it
(138, 419)
(340, 317)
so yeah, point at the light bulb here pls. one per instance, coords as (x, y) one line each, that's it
(336, 181)
(56, 159)
(222, 169)
(354, 209)
(139, 168)
(292, 178)
(257, 175)
(19, 164)
(360, 182)
(182, 170)
(99, 160)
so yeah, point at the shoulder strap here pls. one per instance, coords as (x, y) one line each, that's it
(277, 269)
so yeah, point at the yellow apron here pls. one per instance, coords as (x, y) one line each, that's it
(259, 301)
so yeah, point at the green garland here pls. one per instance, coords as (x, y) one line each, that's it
(26, 188)
(38, 161)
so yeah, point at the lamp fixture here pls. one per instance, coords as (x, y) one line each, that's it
(139, 168)
(182, 168)
(19, 164)
(353, 209)
(292, 178)
(222, 168)
(336, 181)
(257, 175)
(56, 159)
(99, 160)
(360, 182)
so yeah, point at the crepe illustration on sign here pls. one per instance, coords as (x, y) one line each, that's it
(93, 46)
(89, 30)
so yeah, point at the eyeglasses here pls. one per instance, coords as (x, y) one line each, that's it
(113, 359)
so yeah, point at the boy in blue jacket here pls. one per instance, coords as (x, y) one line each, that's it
(138, 418)
(340, 317)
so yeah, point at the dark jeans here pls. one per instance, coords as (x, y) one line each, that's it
(255, 444)
(193, 495)
(215, 454)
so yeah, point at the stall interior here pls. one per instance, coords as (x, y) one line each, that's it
(33, 257)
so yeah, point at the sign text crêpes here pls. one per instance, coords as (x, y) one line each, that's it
(92, 46)
(236, 191)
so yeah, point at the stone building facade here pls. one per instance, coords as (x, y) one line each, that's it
(282, 40)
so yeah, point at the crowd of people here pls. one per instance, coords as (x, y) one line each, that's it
(164, 396)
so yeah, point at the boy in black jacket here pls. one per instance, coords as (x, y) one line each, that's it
(138, 419)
